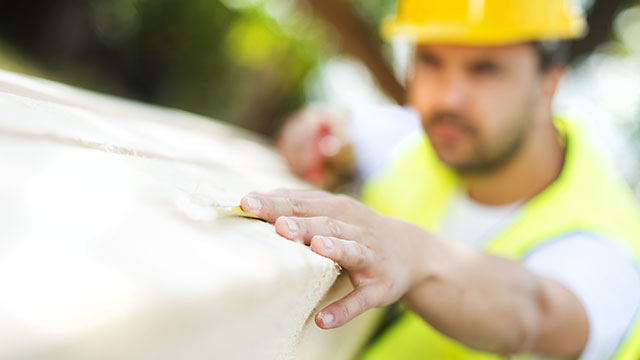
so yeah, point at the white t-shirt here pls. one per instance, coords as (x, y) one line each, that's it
(602, 276)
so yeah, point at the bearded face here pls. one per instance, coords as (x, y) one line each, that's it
(477, 104)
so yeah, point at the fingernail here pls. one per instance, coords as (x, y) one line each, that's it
(293, 227)
(326, 318)
(328, 243)
(254, 204)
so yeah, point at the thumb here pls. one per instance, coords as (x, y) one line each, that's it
(346, 309)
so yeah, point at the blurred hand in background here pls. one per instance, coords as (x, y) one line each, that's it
(314, 142)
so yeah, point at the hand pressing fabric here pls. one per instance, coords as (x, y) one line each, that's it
(484, 301)
(379, 252)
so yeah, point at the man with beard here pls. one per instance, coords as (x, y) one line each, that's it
(503, 230)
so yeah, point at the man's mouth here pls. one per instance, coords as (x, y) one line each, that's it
(447, 132)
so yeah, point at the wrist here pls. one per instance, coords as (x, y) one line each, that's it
(435, 265)
(428, 262)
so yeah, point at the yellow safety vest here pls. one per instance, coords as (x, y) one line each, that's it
(588, 196)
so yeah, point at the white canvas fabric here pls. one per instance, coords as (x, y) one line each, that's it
(110, 247)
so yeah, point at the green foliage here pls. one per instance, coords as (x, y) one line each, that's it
(242, 61)
(374, 11)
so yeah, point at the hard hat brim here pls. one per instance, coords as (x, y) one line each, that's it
(464, 34)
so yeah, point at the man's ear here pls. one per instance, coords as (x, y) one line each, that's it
(552, 78)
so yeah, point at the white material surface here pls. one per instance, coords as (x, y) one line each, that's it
(109, 247)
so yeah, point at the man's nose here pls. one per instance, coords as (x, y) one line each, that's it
(452, 91)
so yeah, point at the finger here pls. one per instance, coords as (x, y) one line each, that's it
(347, 308)
(349, 254)
(270, 208)
(297, 228)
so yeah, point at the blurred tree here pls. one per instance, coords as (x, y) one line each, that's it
(236, 64)
(358, 38)
(600, 19)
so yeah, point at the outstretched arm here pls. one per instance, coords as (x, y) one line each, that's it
(486, 302)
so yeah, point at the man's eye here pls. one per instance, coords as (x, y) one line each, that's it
(485, 68)
(426, 59)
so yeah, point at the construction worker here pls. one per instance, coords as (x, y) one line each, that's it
(502, 228)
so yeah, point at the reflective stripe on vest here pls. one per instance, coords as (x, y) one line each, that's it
(588, 196)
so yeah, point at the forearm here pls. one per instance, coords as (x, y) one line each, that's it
(483, 301)
(494, 304)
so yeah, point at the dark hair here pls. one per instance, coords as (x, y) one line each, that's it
(552, 53)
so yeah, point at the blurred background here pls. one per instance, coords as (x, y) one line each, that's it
(253, 62)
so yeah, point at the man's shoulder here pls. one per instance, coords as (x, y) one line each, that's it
(602, 275)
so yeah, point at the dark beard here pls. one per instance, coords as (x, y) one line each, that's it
(483, 166)
(496, 162)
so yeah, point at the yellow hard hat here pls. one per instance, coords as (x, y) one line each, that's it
(485, 22)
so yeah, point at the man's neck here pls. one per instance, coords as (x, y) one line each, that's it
(537, 165)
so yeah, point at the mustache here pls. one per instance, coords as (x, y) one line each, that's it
(447, 117)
